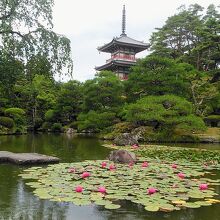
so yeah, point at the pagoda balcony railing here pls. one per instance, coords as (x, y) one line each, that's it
(121, 57)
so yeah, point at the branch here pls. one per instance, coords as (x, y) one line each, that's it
(12, 32)
(20, 34)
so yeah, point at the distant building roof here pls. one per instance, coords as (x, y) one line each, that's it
(124, 40)
(115, 63)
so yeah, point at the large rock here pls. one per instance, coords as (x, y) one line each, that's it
(26, 158)
(125, 139)
(122, 156)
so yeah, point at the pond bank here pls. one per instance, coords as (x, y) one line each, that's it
(211, 135)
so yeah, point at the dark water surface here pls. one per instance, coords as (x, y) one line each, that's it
(17, 201)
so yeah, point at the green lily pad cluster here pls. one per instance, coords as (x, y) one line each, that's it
(173, 153)
(125, 182)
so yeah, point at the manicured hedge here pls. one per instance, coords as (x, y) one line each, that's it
(6, 122)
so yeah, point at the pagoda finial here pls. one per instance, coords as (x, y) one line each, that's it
(123, 21)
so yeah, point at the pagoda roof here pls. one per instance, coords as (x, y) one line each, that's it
(114, 63)
(124, 40)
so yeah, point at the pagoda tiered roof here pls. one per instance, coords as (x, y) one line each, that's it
(113, 63)
(124, 40)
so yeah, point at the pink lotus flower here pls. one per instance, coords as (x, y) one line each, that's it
(131, 164)
(112, 167)
(85, 174)
(134, 146)
(104, 164)
(203, 186)
(102, 189)
(174, 166)
(79, 189)
(181, 175)
(71, 170)
(151, 191)
(145, 164)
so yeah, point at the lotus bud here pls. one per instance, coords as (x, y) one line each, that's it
(79, 189)
(203, 186)
(151, 191)
(85, 174)
(181, 175)
(102, 189)
(144, 164)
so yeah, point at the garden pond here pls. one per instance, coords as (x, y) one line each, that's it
(21, 198)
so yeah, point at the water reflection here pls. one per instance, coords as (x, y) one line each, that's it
(18, 202)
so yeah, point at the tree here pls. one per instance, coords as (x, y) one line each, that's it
(36, 97)
(203, 92)
(95, 121)
(103, 93)
(10, 70)
(26, 31)
(69, 101)
(166, 112)
(190, 37)
(155, 75)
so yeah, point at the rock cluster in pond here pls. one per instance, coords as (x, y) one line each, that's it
(122, 156)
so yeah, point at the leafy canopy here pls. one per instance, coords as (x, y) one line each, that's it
(26, 31)
(167, 112)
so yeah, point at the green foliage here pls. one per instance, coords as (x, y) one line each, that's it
(46, 126)
(45, 91)
(18, 116)
(213, 117)
(103, 93)
(155, 75)
(14, 112)
(10, 71)
(6, 122)
(95, 121)
(26, 31)
(191, 37)
(163, 112)
(135, 183)
(38, 123)
(50, 115)
(38, 65)
(56, 127)
(69, 101)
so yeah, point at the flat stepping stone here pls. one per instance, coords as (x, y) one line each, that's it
(26, 158)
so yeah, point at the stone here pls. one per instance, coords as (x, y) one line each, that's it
(122, 156)
(70, 131)
(125, 139)
(26, 158)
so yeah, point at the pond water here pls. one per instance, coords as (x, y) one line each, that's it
(18, 202)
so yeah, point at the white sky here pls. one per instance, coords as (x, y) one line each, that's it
(92, 23)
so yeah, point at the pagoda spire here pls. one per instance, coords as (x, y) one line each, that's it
(123, 21)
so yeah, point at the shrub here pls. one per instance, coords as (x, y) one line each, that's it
(6, 122)
(56, 127)
(95, 121)
(165, 112)
(46, 126)
(14, 112)
(49, 115)
(18, 116)
(73, 125)
(38, 123)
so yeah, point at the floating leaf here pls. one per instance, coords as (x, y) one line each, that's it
(152, 208)
(112, 206)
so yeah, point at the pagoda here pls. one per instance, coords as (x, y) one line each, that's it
(123, 50)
